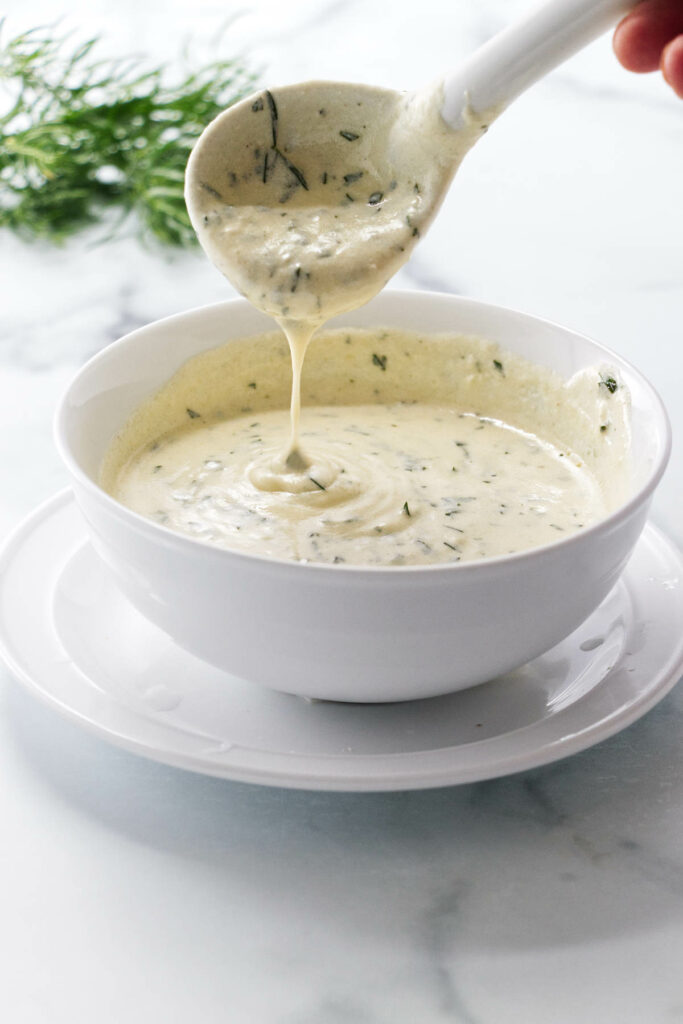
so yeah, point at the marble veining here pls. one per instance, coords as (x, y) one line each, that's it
(132, 891)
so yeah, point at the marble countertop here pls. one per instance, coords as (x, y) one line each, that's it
(133, 891)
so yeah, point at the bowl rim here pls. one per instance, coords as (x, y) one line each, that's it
(160, 534)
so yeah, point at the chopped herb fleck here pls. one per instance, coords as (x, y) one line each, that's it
(273, 115)
(349, 136)
(192, 414)
(608, 383)
(295, 171)
(375, 198)
(317, 484)
(499, 366)
(350, 178)
(406, 509)
(252, 384)
(380, 361)
(257, 105)
(211, 190)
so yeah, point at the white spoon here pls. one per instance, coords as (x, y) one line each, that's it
(310, 197)
(518, 56)
(281, 149)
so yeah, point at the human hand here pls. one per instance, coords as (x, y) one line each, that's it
(651, 37)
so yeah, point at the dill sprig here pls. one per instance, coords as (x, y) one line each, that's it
(80, 137)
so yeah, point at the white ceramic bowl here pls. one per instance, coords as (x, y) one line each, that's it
(344, 632)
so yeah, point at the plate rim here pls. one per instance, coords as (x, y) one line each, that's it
(408, 775)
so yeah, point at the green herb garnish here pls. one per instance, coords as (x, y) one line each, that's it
(406, 509)
(317, 484)
(499, 366)
(349, 136)
(380, 361)
(192, 414)
(82, 136)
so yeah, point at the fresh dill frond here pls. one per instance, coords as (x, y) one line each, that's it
(81, 137)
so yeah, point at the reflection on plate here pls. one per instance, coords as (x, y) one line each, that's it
(68, 634)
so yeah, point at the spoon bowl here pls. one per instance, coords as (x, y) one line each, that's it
(310, 198)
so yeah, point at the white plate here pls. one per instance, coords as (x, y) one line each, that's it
(68, 634)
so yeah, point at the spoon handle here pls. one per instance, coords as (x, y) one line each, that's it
(514, 59)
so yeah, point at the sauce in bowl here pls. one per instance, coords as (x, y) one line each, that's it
(420, 450)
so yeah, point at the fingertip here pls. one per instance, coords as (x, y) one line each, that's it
(641, 37)
(636, 46)
(672, 65)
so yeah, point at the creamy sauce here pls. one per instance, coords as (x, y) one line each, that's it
(437, 459)
(321, 197)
